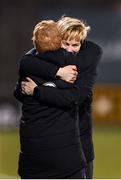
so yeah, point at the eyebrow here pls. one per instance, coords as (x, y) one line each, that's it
(76, 44)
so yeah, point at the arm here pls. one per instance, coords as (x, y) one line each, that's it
(30, 64)
(77, 94)
(66, 97)
(18, 91)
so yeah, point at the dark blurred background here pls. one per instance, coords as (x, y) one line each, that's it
(17, 20)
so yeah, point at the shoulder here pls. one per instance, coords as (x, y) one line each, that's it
(51, 54)
(29, 57)
(92, 52)
(30, 54)
(93, 47)
(26, 57)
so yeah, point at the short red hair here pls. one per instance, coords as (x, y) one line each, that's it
(46, 36)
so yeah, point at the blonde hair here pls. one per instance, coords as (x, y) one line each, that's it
(46, 36)
(72, 28)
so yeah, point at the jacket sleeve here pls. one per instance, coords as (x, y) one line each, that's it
(44, 66)
(66, 98)
(32, 65)
(18, 91)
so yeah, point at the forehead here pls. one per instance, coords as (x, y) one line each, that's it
(72, 41)
(72, 34)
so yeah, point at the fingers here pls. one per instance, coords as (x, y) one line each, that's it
(73, 70)
(26, 83)
(23, 86)
(26, 90)
(73, 67)
(28, 86)
(71, 79)
(23, 89)
(23, 92)
(23, 83)
(72, 73)
(29, 79)
(75, 73)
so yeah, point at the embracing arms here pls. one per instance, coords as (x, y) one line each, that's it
(80, 89)
(78, 93)
(40, 70)
(48, 66)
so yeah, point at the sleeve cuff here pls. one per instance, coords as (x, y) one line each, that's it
(36, 92)
(54, 72)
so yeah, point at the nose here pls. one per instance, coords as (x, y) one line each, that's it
(70, 49)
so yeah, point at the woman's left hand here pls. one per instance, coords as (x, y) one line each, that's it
(28, 86)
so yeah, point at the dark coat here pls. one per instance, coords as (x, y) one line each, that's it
(86, 61)
(64, 99)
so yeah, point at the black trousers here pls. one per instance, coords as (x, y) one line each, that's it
(77, 175)
(80, 174)
(89, 170)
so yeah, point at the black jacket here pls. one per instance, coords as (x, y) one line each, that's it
(86, 61)
(79, 93)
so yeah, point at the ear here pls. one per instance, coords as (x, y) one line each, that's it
(62, 44)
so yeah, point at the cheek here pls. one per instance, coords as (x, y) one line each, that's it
(77, 49)
(64, 47)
